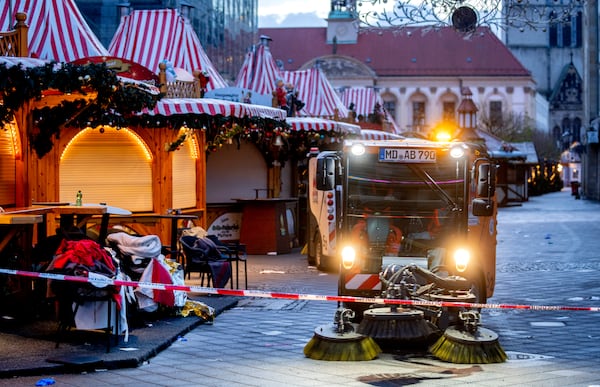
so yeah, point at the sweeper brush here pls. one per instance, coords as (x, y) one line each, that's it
(396, 325)
(469, 343)
(339, 341)
(462, 347)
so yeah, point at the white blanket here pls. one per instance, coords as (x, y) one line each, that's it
(147, 246)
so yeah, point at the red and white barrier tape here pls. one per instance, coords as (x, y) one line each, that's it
(102, 281)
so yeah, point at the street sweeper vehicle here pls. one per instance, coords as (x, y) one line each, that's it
(408, 219)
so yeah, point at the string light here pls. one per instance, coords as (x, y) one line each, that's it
(465, 15)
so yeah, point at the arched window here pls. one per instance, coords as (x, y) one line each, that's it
(419, 114)
(576, 129)
(566, 134)
(566, 31)
(109, 166)
(390, 107)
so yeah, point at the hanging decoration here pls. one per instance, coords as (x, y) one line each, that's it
(102, 94)
(106, 100)
(466, 15)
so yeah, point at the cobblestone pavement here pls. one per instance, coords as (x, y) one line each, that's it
(548, 254)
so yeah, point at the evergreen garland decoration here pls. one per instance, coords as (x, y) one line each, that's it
(114, 98)
(118, 104)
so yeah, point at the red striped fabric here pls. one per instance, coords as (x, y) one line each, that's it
(316, 92)
(57, 30)
(244, 77)
(370, 134)
(266, 72)
(148, 37)
(364, 99)
(318, 124)
(259, 72)
(175, 106)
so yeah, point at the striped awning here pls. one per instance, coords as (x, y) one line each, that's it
(370, 134)
(363, 98)
(318, 124)
(180, 106)
(316, 92)
(149, 37)
(259, 73)
(57, 30)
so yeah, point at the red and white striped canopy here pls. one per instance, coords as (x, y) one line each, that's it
(318, 124)
(316, 92)
(370, 134)
(363, 98)
(57, 30)
(213, 107)
(259, 72)
(148, 37)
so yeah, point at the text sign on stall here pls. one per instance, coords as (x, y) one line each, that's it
(227, 226)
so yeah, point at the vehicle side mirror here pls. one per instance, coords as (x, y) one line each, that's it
(486, 180)
(326, 173)
(483, 207)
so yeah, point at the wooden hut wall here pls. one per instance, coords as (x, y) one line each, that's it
(44, 178)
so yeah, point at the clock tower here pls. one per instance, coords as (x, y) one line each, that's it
(342, 22)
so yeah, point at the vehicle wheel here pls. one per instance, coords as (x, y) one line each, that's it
(319, 259)
(311, 251)
(479, 290)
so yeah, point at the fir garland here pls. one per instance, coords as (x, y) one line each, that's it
(118, 104)
(18, 85)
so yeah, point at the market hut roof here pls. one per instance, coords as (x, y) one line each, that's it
(57, 30)
(149, 37)
(213, 107)
(316, 92)
(260, 73)
(318, 124)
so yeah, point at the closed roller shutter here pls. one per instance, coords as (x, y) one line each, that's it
(184, 175)
(7, 168)
(113, 167)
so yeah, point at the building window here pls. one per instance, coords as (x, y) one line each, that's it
(390, 109)
(565, 32)
(495, 113)
(418, 114)
(449, 111)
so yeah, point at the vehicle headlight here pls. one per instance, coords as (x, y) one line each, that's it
(348, 257)
(461, 259)
(358, 149)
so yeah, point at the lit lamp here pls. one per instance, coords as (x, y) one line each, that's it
(467, 116)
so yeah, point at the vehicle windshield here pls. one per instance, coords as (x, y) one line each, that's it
(403, 209)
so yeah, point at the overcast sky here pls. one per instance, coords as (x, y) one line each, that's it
(292, 13)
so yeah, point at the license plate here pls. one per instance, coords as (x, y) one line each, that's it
(401, 155)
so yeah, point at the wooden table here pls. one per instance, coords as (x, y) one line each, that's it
(17, 226)
(78, 216)
(13, 223)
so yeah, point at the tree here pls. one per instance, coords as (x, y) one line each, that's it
(517, 127)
